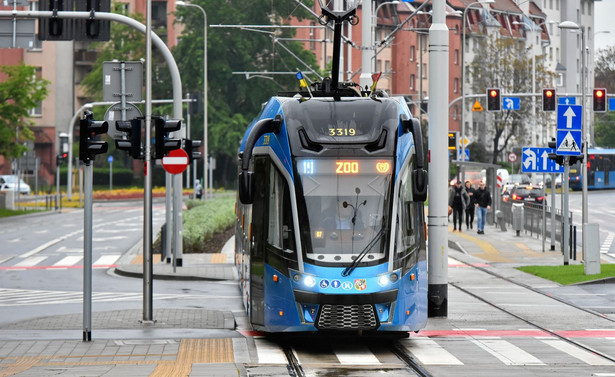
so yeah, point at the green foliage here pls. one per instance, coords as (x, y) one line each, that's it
(604, 70)
(604, 130)
(569, 274)
(233, 99)
(20, 91)
(506, 64)
(204, 218)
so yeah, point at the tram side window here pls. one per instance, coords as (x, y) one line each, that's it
(280, 234)
(406, 230)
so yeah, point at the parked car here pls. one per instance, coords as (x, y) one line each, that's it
(10, 182)
(527, 194)
(517, 180)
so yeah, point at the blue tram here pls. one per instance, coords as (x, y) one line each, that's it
(600, 167)
(330, 232)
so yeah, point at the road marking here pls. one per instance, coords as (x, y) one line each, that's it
(106, 260)
(5, 259)
(355, 355)
(429, 352)
(506, 352)
(578, 353)
(49, 244)
(29, 262)
(269, 352)
(608, 241)
(70, 260)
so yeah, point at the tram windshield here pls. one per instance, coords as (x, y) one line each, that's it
(346, 200)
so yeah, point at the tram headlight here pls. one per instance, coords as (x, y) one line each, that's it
(309, 281)
(383, 280)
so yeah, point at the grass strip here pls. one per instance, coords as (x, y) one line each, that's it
(570, 274)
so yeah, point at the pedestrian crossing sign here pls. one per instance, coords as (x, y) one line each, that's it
(568, 143)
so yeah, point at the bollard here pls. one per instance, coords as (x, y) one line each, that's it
(499, 216)
(518, 215)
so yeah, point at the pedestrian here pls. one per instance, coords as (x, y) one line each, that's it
(471, 206)
(483, 203)
(458, 199)
(198, 189)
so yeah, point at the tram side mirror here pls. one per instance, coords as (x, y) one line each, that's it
(246, 187)
(419, 185)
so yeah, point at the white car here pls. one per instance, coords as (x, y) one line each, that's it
(9, 182)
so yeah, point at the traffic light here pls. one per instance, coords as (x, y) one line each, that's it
(548, 99)
(63, 153)
(132, 137)
(92, 29)
(191, 147)
(600, 100)
(553, 156)
(88, 128)
(494, 102)
(195, 106)
(54, 28)
(163, 143)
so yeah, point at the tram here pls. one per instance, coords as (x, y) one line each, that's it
(600, 167)
(330, 232)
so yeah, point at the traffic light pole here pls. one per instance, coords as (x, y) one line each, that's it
(87, 251)
(566, 230)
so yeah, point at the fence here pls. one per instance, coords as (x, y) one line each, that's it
(533, 220)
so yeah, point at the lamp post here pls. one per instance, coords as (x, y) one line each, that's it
(569, 25)
(374, 25)
(463, 74)
(205, 152)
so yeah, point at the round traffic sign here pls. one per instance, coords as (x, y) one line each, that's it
(512, 157)
(176, 162)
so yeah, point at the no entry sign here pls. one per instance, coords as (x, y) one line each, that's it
(176, 162)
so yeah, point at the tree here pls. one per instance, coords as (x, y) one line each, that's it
(504, 63)
(20, 91)
(234, 99)
(604, 71)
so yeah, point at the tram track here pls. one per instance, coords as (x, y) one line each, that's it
(534, 323)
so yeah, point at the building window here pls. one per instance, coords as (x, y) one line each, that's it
(387, 66)
(456, 85)
(312, 42)
(38, 110)
(424, 71)
(378, 65)
(559, 80)
(412, 53)
(456, 57)
(412, 79)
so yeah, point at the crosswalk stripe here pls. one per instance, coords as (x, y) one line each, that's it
(506, 352)
(69, 260)
(269, 352)
(355, 355)
(107, 260)
(29, 262)
(578, 353)
(429, 352)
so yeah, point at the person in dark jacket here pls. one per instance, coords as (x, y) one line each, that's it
(483, 203)
(470, 208)
(458, 199)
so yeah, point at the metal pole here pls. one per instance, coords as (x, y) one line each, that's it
(566, 232)
(367, 44)
(148, 267)
(553, 211)
(87, 253)
(585, 131)
(437, 291)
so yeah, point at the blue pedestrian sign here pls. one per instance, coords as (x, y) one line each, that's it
(466, 157)
(568, 143)
(536, 160)
(511, 103)
(611, 104)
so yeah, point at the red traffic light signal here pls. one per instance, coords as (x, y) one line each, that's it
(548, 99)
(494, 102)
(600, 100)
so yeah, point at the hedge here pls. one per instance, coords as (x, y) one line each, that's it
(204, 218)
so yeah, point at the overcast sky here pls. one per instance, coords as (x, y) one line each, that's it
(603, 20)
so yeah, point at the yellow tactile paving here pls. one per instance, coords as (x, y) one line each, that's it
(490, 254)
(156, 258)
(218, 258)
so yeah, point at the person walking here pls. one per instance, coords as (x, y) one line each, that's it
(470, 208)
(483, 203)
(458, 199)
(198, 189)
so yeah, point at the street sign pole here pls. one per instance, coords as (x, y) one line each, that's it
(87, 252)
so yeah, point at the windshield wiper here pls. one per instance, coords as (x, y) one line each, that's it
(363, 253)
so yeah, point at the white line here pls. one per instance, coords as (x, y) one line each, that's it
(5, 259)
(355, 355)
(48, 244)
(429, 352)
(269, 353)
(69, 260)
(578, 353)
(175, 160)
(507, 352)
(30, 262)
(106, 260)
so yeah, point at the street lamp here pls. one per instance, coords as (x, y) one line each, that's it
(205, 153)
(463, 74)
(374, 25)
(569, 25)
